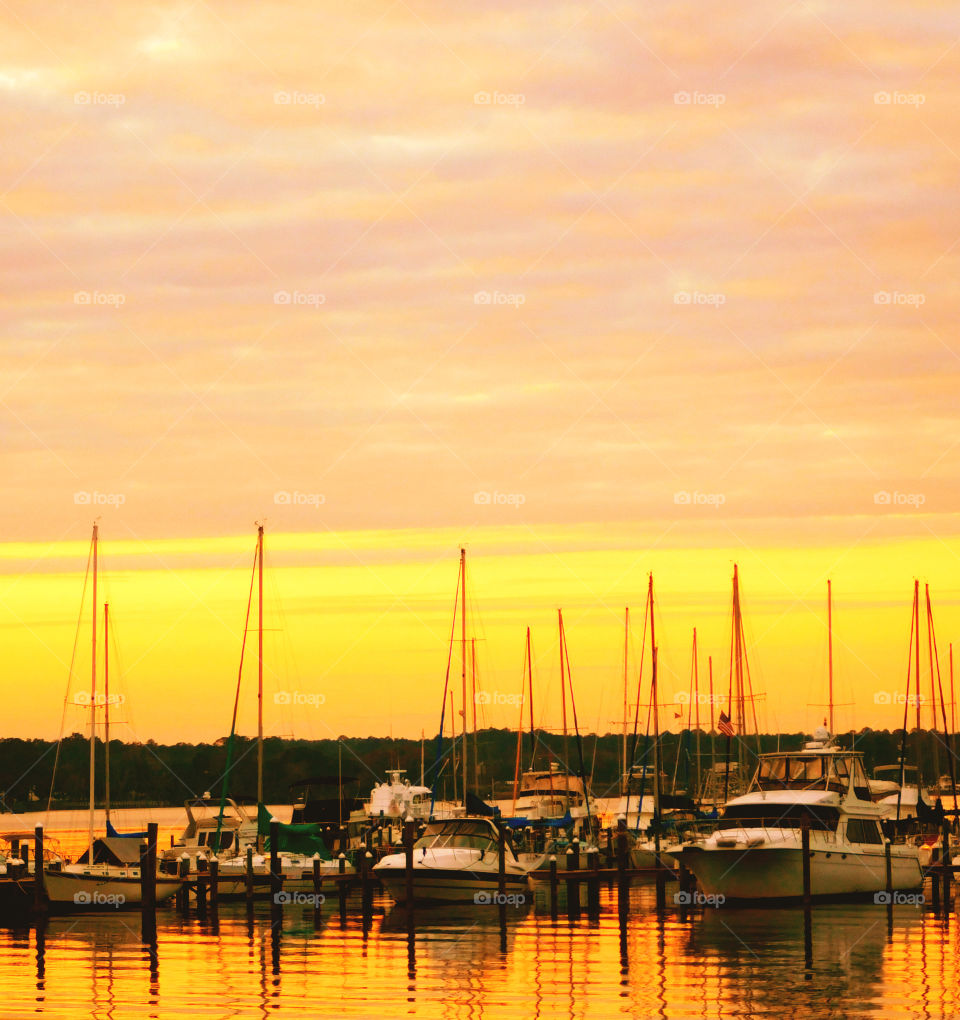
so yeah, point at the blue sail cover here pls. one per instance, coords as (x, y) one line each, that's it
(113, 834)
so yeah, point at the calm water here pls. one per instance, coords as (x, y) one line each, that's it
(461, 962)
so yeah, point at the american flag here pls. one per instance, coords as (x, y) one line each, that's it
(724, 725)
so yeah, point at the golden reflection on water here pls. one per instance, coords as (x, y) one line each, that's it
(461, 962)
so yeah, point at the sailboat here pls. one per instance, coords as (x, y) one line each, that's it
(89, 884)
(299, 844)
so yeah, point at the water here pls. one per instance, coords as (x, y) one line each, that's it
(462, 962)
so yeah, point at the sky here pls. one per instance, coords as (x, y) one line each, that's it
(593, 289)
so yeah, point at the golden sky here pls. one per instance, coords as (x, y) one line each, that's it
(592, 288)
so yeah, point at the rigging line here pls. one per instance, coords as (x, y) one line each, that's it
(636, 713)
(576, 731)
(66, 695)
(443, 709)
(236, 699)
(906, 707)
(943, 708)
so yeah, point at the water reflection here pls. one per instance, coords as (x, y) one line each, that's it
(472, 961)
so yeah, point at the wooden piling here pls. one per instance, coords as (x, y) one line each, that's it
(553, 886)
(889, 863)
(183, 873)
(805, 847)
(39, 892)
(200, 888)
(573, 885)
(501, 862)
(248, 875)
(947, 866)
(317, 881)
(408, 852)
(276, 872)
(148, 884)
(623, 879)
(214, 884)
(593, 882)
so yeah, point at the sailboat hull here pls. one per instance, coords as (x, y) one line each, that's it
(108, 890)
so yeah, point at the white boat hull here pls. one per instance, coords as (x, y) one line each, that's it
(776, 872)
(452, 877)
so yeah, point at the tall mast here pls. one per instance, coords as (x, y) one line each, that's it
(106, 706)
(830, 650)
(713, 735)
(259, 665)
(533, 738)
(696, 695)
(93, 696)
(738, 645)
(463, 659)
(656, 719)
(953, 712)
(453, 746)
(626, 695)
(473, 674)
(563, 703)
(933, 688)
(916, 613)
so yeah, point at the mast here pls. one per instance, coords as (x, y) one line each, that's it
(453, 745)
(533, 736)
(463, 660)
(830, 650)
(713, 735)
(473, 674)
(563, 703)
(656, 723)
(106, 707)
(696, 695)
(259, 666)
(953, 714)
(916, 614)
(933, 689)
(93, 696)
(626, 706)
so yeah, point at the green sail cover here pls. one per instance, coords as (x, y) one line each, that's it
(297, 839)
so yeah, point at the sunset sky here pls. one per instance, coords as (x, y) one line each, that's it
(592, 289)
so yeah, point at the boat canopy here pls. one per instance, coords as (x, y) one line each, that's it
(298, 839)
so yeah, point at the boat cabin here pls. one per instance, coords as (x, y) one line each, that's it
(462, 834)
(819, 766)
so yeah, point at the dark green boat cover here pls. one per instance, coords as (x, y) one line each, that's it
(297, 839)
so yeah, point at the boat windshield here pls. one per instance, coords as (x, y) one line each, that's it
(464, 835)
(779, 816)
(810, 772)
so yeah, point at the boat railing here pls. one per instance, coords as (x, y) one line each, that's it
(773, 829)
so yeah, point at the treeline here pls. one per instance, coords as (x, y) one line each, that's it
(154, 773)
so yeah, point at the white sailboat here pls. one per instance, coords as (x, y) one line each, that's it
(756, 851)
(92, 885)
